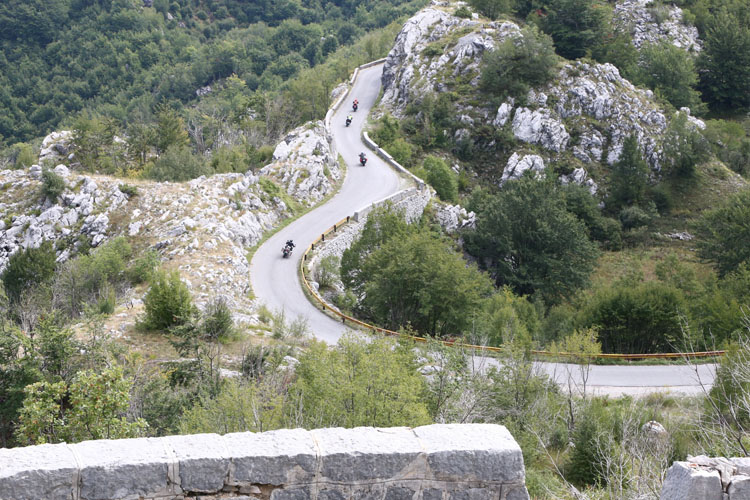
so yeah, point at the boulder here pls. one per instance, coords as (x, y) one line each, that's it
(518, 164)
(686, 481)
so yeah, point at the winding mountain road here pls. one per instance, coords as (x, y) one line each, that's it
(276, 283)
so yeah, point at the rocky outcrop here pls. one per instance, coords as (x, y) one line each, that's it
(56, 147)
(707, 478)
(304, 164)
(203, 227)
(80, 215)
(517, 165)
(420, 62)
(649, 22)
(469, 461)
(454, 217)
(584, 115)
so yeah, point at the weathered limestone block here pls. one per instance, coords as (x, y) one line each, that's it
(365, 453)
(684, 482)
(47, 471)
(202, 461)
(494, 454)
(286, 456)
(739, 488)
(123, 469)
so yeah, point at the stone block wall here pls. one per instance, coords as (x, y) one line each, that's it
(707, 478)
(434, 462)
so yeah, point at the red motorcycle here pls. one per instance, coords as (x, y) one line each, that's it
(362, 159)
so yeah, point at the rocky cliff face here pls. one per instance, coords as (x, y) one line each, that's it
(651, 23)
(203, 227)
(583, 116)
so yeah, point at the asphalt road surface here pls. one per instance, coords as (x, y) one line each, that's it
(276, 283)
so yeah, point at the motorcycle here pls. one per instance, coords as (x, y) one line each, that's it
(286, 252)
(362, 160)
(348, 121)
(355, 106)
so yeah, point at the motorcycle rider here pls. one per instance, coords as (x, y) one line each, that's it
(348, 120)
(362, 158)
(355, 104)
(290, 244)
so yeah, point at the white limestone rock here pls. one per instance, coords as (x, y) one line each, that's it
(276, 457)
(46, 471)
(518, 164)
(539, 127)
(495, 454)
(366, 453)
(454, 217)
(123, 468)
(56, 146)
(203, 461)
(637, 18)
(304, 164)
(687, 481)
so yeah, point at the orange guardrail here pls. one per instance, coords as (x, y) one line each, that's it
(451, 343)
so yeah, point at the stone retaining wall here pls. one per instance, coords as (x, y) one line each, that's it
(434, 462)
(411, 201)
(706, 478)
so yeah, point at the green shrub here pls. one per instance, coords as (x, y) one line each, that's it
(92, 279)
(517, 64)
(442, 178)
(463, 12)
(52, 185)
(128, 190)
(29, 269)
(23, 155)
(401, 151)
(327, 271)
(634, 217)
(725, 233)
(177, 164)
(730, 141)
(143, 267)
(218, 324)
(639, 318)
(684, 147)
(167, 303)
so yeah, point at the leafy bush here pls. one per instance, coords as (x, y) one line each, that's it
(491, 8)
(217, 323)
(730, 141)
(29, 269)
(724, 62)
(634, 217)
(128, 190)
(143, 267)
(629, 175)
(22, 155)
(177, 164)
(517, 64)
(92, 279)
(670, 71)
(637, 318)
(327, 271)
(530, 240)
(575, 25)
(441, 177)
(463, 12)
(52, 185)
(684, 147)
(167, 303)
(725, 232)
(376, 384)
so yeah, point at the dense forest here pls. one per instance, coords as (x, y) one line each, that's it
(121, 58)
